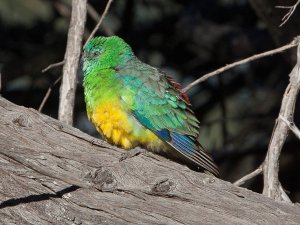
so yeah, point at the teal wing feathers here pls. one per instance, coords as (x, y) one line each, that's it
(159, 106)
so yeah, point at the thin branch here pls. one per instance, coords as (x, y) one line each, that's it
(292, 44)
(96, 17)
(48, 94)
(100, 21)
(292, 126)
(289, 13)
(283, 7)
(74, 44)
(53, 65)
(249, 176)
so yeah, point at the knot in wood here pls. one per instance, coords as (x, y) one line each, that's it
(209, 180)
(163, 186)
(21, 121)
(104, 180)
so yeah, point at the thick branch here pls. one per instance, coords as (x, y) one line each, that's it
(272, 186)
(43, 164)
(68, 86)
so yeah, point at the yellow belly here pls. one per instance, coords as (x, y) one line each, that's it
(120, 128)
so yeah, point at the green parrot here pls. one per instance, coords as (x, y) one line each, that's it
(133, 104)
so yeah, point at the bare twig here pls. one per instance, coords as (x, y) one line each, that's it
(96, 16)
(53, 65)
(292, 44)
(99, 22)
(289, 13)
(68, 86)
(291, 125)
(48, 94)
(249, 176)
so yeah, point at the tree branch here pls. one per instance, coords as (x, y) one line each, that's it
(48, 94)
(289, 13)
(68, 86)
(249, 176)
(270, 166)
(44, 162)
(292, 44)
(53, 65)
(100, 21)
(96, 17)
(292, 126)
(272, 186)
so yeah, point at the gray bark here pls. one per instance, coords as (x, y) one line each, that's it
(272, 186)
(54, 174)
(72, 55)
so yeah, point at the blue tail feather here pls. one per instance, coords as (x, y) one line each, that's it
(188, 148)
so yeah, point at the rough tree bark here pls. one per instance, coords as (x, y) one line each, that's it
(69, 79)
(54, 174)
(272, 186)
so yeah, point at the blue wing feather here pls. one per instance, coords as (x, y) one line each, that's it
(185, 145)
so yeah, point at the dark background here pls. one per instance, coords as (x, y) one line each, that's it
(186, 39)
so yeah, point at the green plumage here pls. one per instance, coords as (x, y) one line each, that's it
(111, 71)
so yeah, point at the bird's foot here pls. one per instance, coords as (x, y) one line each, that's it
(131, 153)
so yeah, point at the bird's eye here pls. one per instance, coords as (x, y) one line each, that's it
(95, 54)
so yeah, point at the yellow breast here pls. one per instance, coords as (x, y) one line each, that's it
(120, 128)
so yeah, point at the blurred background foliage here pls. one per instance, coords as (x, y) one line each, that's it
(186, 39)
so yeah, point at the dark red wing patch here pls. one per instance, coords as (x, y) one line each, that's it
(177, 86)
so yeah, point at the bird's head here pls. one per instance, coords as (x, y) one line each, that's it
(105, 53)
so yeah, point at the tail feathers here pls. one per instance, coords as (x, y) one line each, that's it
(190, 149)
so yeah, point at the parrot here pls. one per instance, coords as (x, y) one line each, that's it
(132, 105)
